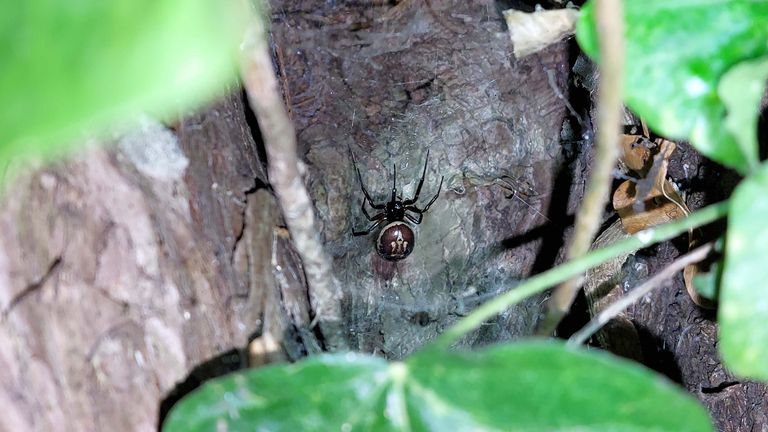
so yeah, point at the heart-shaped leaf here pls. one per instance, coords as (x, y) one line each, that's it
(533, 386)
(675, 55)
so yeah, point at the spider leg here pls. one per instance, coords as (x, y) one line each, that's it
(429, 204)
(412, 218)
(371, 218)
(362, 185)
(369, 229)
(420, 212)
(394, 181)
(421, 183)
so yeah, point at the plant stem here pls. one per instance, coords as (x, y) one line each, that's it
(576, 267)
(280, 143)
(610, 25)
(636, 294)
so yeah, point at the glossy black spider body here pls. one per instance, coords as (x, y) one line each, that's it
(396, 239)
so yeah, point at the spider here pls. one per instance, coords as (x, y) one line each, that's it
(396, 240)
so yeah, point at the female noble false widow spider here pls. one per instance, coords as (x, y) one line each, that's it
(395, 241)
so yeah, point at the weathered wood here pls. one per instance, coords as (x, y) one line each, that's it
(285, 175)
(124, 269)
(118, 272)
(388, 82)
(677, 337)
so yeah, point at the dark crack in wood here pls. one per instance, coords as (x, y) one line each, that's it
(33, 287)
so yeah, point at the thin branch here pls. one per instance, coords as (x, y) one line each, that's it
(636, 294)
(575, 267)
(610, 26)
(280, 142)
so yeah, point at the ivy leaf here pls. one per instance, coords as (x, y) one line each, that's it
(741, 90)
(528, 386)
(76, 66)
(743, 299)
(676, 53)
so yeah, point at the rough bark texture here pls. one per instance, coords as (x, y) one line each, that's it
(389, 83)
(123, 269)
(677, 337)
(279, 138)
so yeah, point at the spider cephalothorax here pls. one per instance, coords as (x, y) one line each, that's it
(396, 239)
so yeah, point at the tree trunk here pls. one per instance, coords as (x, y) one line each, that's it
(387, 84)
(124, 268)
(157, 259)
(666, 330)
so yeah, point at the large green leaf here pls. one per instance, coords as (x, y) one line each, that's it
(534, 386)
(676, 53)
(744, 290)
(73, 65)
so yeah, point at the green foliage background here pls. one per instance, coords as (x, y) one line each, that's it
(695, 69)
(76, 67)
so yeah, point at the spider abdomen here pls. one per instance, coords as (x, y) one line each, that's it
(395, 241)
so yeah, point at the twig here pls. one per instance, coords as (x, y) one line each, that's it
(280, 142)
(636, 294)
(569, 269)
(610, 24)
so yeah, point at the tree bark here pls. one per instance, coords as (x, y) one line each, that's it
(388, 83)
(666, 330)
(124, 269)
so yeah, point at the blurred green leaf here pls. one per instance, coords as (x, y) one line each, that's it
(743, 295)
(741, 90)
(532, 386)
(80, 65)
(708, 284)
(676, 54)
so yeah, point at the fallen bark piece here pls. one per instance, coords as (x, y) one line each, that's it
(532, 32)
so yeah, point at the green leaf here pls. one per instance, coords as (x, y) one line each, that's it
(707, 284)
(741, 90)
(76, 66)
(531, 386)
(743, 295)
(676, 54)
